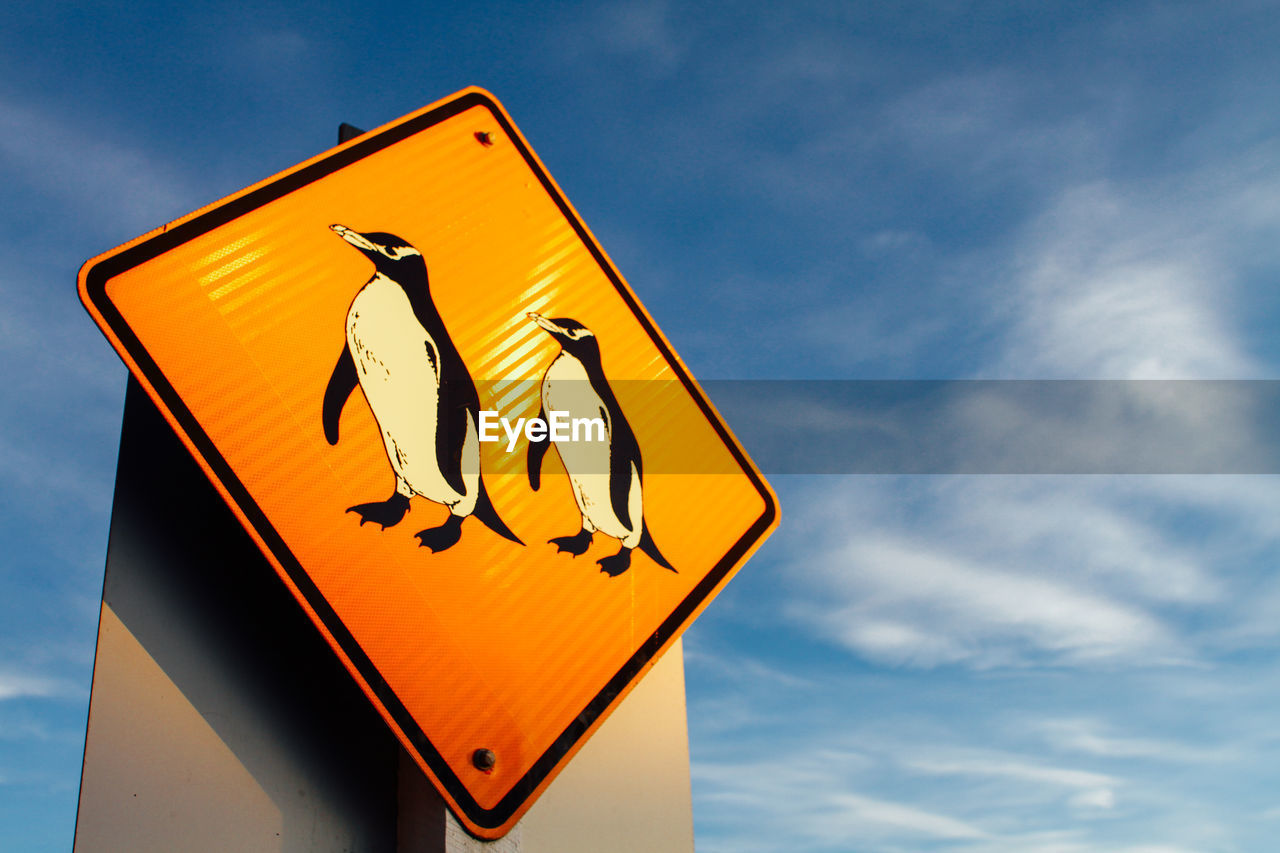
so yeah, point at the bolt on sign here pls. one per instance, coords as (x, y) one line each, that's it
(453, 431)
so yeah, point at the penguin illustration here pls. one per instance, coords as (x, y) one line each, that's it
(606, 476)
(419, 389)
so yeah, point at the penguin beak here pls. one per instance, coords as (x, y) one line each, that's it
(546, 324)
(353, 237)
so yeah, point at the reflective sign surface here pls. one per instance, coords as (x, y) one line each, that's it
(453, 431)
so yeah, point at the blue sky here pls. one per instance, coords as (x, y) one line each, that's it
(982, 664)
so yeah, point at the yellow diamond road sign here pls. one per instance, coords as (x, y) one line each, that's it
(453, 431)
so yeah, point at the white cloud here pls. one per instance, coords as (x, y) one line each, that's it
(28, 730)
(1111, 279)
(1111, 285)
(1016, 570)
(1091, 737)
(851, 814)
(61, 405)
(1061, 842)
(741, 667)
(1073, 529)
(1002, 803)
(59, 413)
(116, 184)
(991, 571)
(1102, 799)
(982, 126)
(14, 685)
(936, 607)
(50, 481)
(810, 801)
(1013, 768)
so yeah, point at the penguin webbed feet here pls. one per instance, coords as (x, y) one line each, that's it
(577, 544)
(437, 539)
(616, 564)
(386, 513)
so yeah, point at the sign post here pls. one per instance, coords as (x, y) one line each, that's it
(416, 332)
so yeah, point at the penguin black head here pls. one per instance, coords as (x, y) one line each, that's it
(389, 253)
(573, 337)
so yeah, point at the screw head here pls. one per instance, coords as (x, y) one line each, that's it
(484, 137)
(484, 759)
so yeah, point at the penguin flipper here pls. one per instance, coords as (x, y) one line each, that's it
(651, 548)
(537, 449)
(342, 382)
(624, 463)
(485, 512)
(452, 420)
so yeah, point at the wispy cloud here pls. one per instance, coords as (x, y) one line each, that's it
(277, 63)
(742, 667)
(994, 571)
(1018, 769)
(984, 126)
(901, 793)
(87, 186)
(16, 685)
(917, 606)
(1125, 278)
(275, 48)
(110, 184)
(1092, 738)
(1062, 842)
(642, 30)
(852, 815)
(53, 466)
(822, 811)
(1093, 792)
(1112, 285)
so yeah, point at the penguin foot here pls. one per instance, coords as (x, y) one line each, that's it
(616, 564)
(385, 513)
(437, 539)
(577, 544)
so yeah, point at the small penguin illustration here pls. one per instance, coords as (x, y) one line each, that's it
(606, 476)
(419, 390)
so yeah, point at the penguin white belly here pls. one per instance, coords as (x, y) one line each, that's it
(398, 368)
(567, 388)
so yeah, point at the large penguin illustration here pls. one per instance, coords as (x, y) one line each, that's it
(419, 389)
(605, 476)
